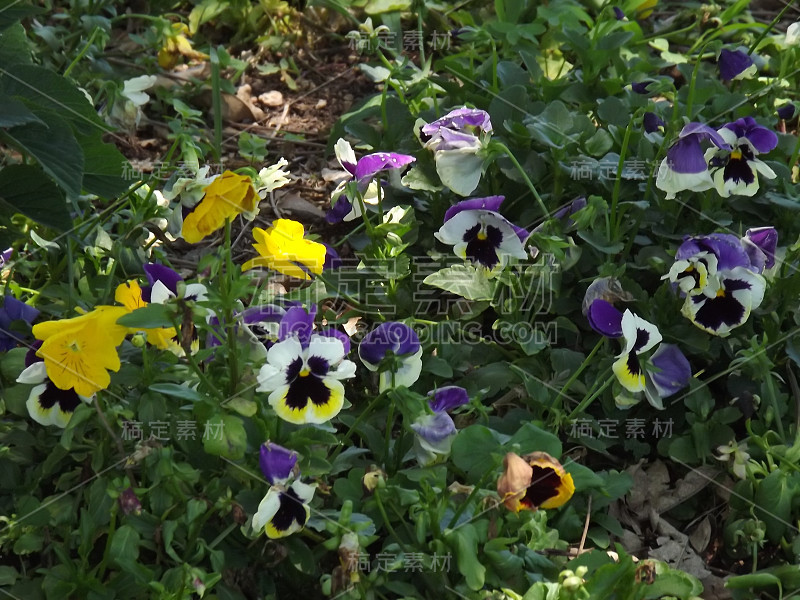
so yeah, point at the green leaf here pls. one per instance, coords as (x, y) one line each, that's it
(8, 575)
(243, 406)
(55, 147)
(14, 46)
(225, 436)
(464, 542)
(773, 503)
(124, 545)
(177, 390)
(553, 126)
(531, 438)
(27, 189)
(151, 316)
(105, 167)
(466, 281)
(42, 88)
(753, 580)
(15, 112)
(16, 11)
(472, 451)
(599, 243)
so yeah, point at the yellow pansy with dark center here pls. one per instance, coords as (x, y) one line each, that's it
(536, 480)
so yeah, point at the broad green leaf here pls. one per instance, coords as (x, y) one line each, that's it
(42, 88)
(773, 503)
(597, 242)
(472, 451)
(55, 147)
(12, 12)
(464, 542)
(149, 317)
(105, 167)
(177, 390)
(8, 575)
(14, 46)
(27, 190)
(225, 436)
(124, 545)
(463, 280)
(15, 112)
(531, 438)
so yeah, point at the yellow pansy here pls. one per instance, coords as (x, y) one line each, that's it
(228, 195)
(79, 352)
(282, 248)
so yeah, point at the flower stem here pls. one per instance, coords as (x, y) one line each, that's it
(503, 148)
(386, 522)
(463, 506)
(230, 325)
(587, 401)
(557, 401)
(618, 182)
(351, 430)
(769, 27)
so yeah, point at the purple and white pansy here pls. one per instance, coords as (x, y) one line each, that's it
(163, 284)
(457, 141)
(304, 370)
(363, 171)
(685, 167)
(666, 371)
(720, 277)
(434, 433)
(735, 171)
(478, 232)
(731, 164)
(393, 349)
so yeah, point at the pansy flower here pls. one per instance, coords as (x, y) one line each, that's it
(434, 433)
(79, 352)
(228, 195)
(458, 140)
(284, 510)
(304, 370)
(735, 169)
(685, 167)
(720, 276)
(398, 345)
(726, 302)
(735, 64)
(667, 370)
(639, 336)
(534, 481)
(48, 404)
(651, 122)
(12, 311)
(786, 112)
(363, 171)
(283, 248)
(477, 231)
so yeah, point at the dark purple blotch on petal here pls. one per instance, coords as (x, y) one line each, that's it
(605, 319)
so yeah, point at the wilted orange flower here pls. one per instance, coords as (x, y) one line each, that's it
(536, 480)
